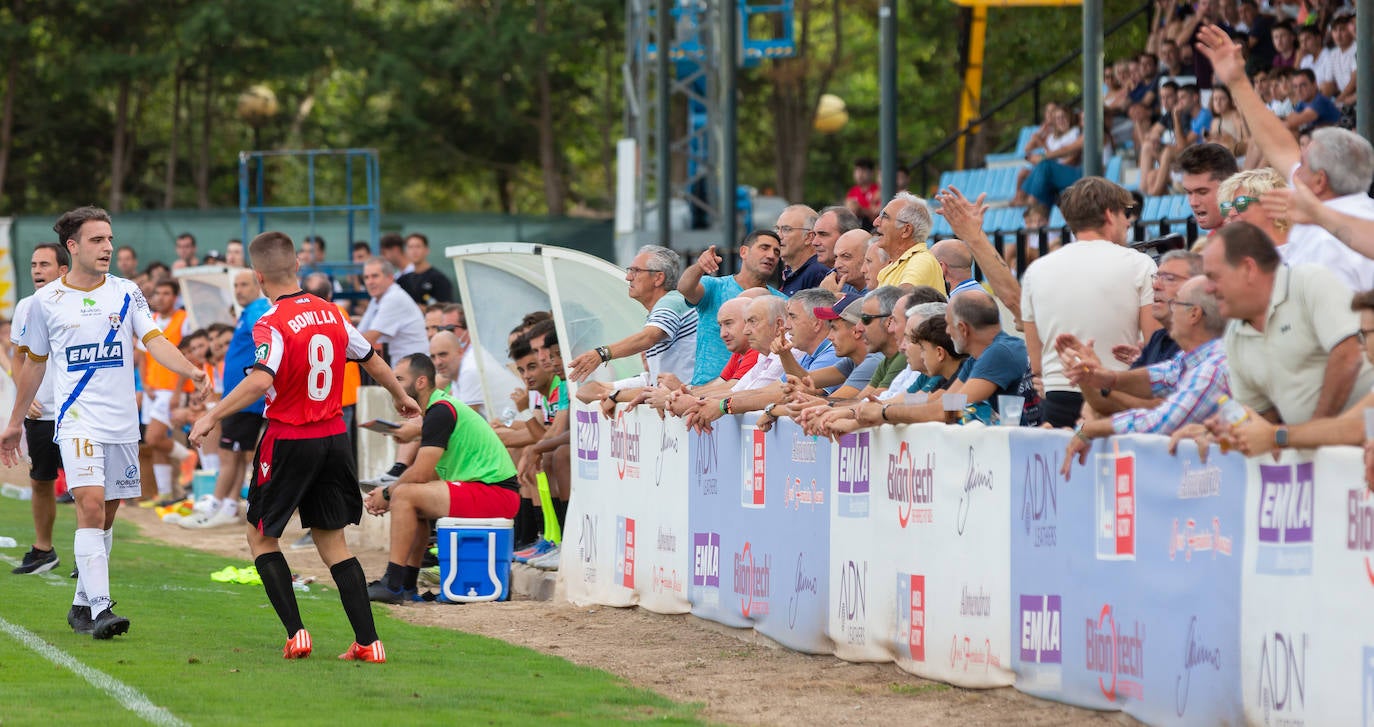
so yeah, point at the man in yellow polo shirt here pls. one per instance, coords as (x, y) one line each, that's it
(904, 224)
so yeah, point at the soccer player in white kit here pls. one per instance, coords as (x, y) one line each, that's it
(88, 321)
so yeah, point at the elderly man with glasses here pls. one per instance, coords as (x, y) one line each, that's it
(801, 268)
(904, 224)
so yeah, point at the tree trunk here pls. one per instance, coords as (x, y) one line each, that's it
(503, 194)
(555, 190)
(203, 165)
(169, 180)
(117, 166)
(797, 88)
(7, 115)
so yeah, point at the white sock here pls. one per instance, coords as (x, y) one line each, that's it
(229, 505)
(109, 542)
(179, 451)
(89, 551)
(209, 462)
(163, 474)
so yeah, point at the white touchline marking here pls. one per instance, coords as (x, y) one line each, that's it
(132, 699)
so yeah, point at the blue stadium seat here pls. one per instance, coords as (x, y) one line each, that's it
(1015, 157)
(1056, 217)
(1113, 170)
(1001, 184)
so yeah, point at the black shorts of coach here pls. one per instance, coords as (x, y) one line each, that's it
(315, 476)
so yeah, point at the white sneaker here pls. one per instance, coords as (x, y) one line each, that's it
(215, 519)
(206, 504)
(547, 561)
(382, 480)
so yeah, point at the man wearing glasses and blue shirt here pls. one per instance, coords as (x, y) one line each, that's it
(801, 269)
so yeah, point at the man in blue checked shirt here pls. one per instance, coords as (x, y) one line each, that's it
(1192, 382)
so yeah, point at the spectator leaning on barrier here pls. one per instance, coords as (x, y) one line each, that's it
(807, 334)
(875, 259)
(878, 310)
(1176, 267)
(854, 364)
(1095, 288)
(1192, 382)
(801, 268)
(911, 376)
(764, 322)
(956, 264)
(1291, 344)
(849, 263)
(832, 222)
(758, 254)
(904, 224)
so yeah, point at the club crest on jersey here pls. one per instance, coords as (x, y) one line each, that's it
(261, 352)
(90, 356)
(115, 320)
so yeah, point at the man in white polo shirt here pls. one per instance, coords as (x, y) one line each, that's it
(392, 318)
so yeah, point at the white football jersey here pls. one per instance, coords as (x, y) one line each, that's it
(90, 336)
(44, 397)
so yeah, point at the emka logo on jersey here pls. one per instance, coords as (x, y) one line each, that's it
(1285, 519)
(755, 459)
(911, 486)
(1190, 536)
(588, 444)
(1116, 651)
(1283, 677)
(625, 443)
(1040, 501)
(1359, 530)
(586, 548)
(706, 560)
(851, 484)
(752, 581)
(1041, 636)
(89, 356)
(911, 614)
(1116, 506)
(1197, 654)
(976, 479)
(707, 464)
(625, 552)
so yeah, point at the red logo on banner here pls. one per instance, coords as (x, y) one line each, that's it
(756, 476)
(916, 639)
(629, 579)
(1125, 505)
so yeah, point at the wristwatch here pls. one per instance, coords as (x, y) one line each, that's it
(1281, 437)
(769, 409)
(613, 395)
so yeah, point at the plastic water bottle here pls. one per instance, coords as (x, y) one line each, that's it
(8, 542)
(508, 415)
(1232, 413)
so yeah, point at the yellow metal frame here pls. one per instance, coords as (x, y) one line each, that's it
(971, 96)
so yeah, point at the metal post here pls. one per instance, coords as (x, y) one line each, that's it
(729, 48)
(1364, 72)
(665, 107)
(1092, 88)
(887, 106)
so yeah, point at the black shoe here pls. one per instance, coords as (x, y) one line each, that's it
(79, 618)
(37, 561)
(378, 592)
(76, 571)
(66, 498)
(109, 625)
(429, 560)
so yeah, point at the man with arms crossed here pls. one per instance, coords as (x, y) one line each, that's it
(90, 319)
(304, 459)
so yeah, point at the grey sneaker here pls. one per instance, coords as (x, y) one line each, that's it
(549, 560)
(37, 561)
(305, 542)
(79, 618)
(378, 592)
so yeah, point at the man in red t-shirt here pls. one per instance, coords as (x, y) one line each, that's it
(304, 460)
(865, 197)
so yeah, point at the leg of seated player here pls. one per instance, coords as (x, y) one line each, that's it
(559, 468)
(412, 504)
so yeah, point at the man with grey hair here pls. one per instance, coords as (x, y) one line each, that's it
(800, 267)
(392, 318)
(904, 224)
(956, 264)
(848, 276)
(1337, 165)
(1191, 383)
(765, 320)
(669, 337)
(832, 222)
(876, 313)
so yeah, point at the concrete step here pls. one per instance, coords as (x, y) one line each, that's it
(532, 584)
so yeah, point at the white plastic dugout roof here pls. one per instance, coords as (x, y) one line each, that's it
(500, 282)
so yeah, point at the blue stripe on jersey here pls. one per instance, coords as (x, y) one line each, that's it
(86, 377)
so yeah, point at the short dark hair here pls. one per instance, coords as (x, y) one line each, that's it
(1210, 158)
(1306, 73)
(420, 236)
(69, 224)
(1085, 203)
(531, 319)
(1190, 87)
(1242, 239)
(64, 258)
(218, 327)
(187, 236)
(317, 240)
(541, 331)
(935, 331)
(519, 348)
(362, 245)
(754, 236)
(1169, 84)
(1309, 30)
(131, 250)
(168, 283)
(420, 365)
(865, 163)
(1363, 301)
(392, 240)
(155, 265)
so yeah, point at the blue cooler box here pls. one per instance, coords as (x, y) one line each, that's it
(474, 558)
(203, 483)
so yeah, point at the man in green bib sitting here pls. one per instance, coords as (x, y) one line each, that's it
(462, 470)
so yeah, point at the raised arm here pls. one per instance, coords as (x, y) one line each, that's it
(1277, 143)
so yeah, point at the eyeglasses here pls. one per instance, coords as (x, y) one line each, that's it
(1168, 278)
(443, 328)
(788, 229)
(1176, 301)
(637, 271)
(867, 319)
(1239, 204)
(1363, 333)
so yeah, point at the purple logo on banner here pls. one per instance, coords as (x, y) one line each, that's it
(1040, 500)
(1285, 520)
(707, 463)
(1041, 637)
(1197, 654)
(706, 560)
(1283, 677)
(588, 444)
(852, 482)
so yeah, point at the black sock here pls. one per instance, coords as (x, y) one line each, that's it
(410, 581)
(526, 525)
(276, 580)
(396, 469)
(560, 509)
(395, 576)
(352, 584)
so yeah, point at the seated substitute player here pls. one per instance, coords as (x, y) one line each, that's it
(89, 319)
(461, 470)
(304, 459)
